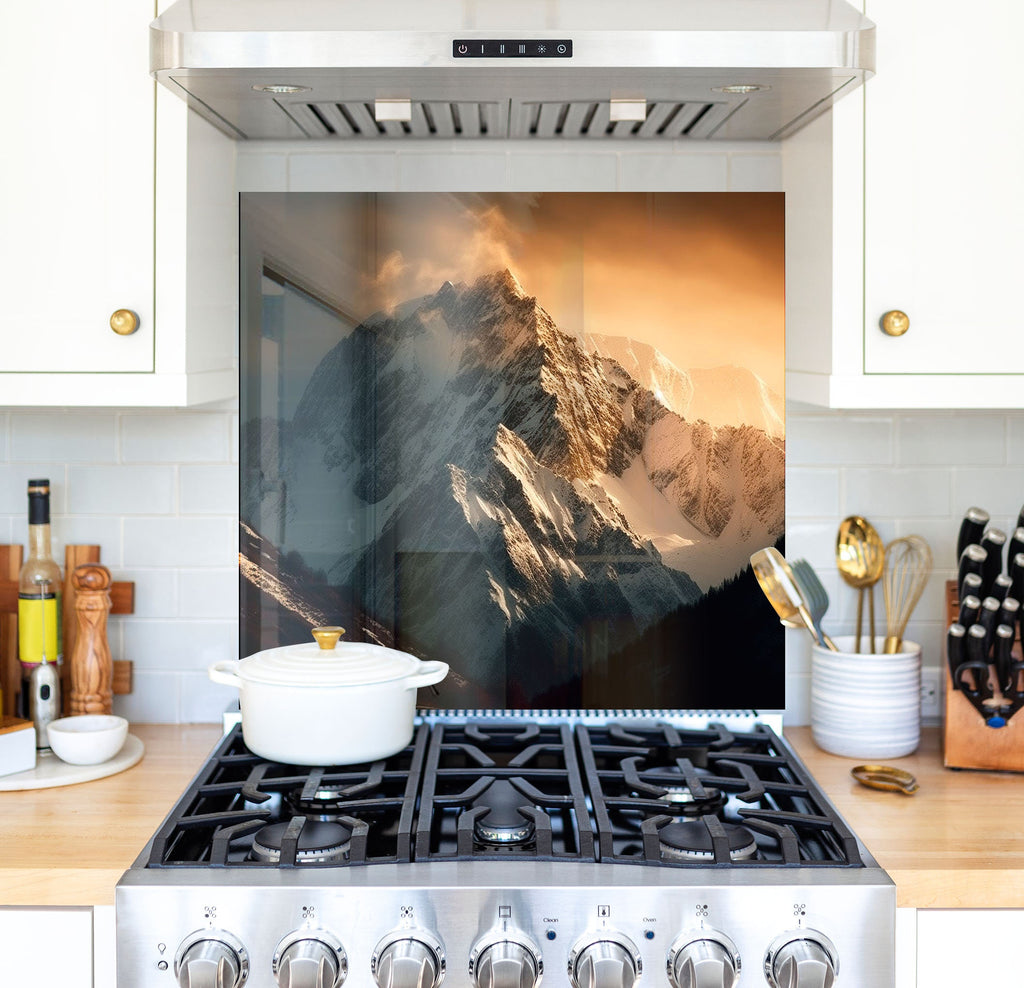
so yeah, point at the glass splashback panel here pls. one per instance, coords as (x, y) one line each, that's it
(536, 435)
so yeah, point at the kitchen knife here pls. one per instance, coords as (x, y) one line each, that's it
(1002, 660)
(972, 560)
(970, 607)
(970, 587)
(1009, 612)
(993, 542)
(1001, 586)
(956, 653)
(988, 618)
(1016, 545)
(973, 524)
(976, 665)
(1020, 518)
(1017, 575)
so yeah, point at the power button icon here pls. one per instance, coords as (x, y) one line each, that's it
(463, 49)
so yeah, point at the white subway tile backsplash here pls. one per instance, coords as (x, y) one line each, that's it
(156, 591)
(76, 437)
(1015, 438)
(262, 172)
(813, 440)
(441, 172)
(896, 493)
(813, 540)
(812, 493)
(755, 172)
(209, 593)
(180, 542)
(963, 439)
(119, 489)
(101, 530)
(647, 172)
(570, 171)
(14, 478)
(365, 172)
(209, 490)
(202, 701)
(175, 437)
(155, 698)
(178, 645)
(999, 490)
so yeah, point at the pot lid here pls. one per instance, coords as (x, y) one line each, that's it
(326, 662)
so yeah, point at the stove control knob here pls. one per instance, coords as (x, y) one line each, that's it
(705, 960)
(505, 961)
(211, 959)
(310, 959)
(606, 960)
(801, 959)
(408, 959)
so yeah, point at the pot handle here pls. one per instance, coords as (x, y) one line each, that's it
(430, 673)
(224, 672)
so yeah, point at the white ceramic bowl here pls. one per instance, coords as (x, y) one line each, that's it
(88, 739)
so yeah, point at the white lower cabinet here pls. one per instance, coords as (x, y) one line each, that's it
(47, 947)
(969, 947)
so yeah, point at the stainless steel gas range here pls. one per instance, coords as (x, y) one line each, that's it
(499, 851)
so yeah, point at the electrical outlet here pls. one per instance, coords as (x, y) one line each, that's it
(931, 694)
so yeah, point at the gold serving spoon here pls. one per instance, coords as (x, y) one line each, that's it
(860, 559)
(783, 593)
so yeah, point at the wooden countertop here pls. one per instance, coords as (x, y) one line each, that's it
(958, 843)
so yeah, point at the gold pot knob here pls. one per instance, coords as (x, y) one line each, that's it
(895, 323)
(124, 322)
(327, 637)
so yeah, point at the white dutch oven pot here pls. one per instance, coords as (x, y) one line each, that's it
(323, 703)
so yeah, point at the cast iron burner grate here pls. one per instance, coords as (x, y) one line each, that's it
(505, 790)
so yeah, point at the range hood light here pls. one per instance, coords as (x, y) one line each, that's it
(393, 109)
(280, 90)
(627, 109)
(741, 89)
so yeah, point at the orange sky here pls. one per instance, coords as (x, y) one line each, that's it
(698, 275)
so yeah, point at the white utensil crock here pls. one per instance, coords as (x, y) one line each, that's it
(306, 705)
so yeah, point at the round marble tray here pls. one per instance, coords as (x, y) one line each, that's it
(50, 771)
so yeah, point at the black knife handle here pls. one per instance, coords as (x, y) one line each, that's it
(1002, 661)
(988, 618)
(1001, 587)
(956, 653)
(970, 587)
(1016, 545)
(1009, 612)
(993, 542)
(973, 524)
(972, 560)
(1017, 575)
(970, 608)
(977, 661)
(1020, 518)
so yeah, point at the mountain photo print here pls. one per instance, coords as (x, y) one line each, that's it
(535, 435)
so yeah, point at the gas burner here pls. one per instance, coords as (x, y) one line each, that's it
(319, 843)
(691, 841)
(682, 802)
(327, 803)
(502, 824)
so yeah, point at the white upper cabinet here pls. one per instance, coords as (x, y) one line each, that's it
(97, 217)
(907, 199)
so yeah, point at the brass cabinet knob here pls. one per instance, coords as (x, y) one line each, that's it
(895, 323)
(124, 322)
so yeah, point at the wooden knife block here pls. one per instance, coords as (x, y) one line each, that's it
(122, 596)
(967, 741)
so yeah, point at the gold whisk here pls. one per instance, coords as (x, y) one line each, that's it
(908, 564)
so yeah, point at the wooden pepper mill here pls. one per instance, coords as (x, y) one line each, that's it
(92, 670)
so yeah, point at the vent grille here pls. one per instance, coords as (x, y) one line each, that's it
(590, 120)
(355, 119)
(573, 119)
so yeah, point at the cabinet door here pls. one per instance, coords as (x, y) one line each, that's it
(43, 946)
(944, 205)
(76, 185)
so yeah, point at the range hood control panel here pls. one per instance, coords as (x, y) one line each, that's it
(514, 48)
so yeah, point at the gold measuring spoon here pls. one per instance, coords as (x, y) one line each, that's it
(885, 777)
(860, 559)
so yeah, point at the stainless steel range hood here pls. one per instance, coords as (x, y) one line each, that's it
(498, 69)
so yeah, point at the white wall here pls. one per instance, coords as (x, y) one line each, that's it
(158, 490)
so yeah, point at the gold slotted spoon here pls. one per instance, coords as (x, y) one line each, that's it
(860, 559)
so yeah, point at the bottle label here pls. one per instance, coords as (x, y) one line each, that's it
(39, 629)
